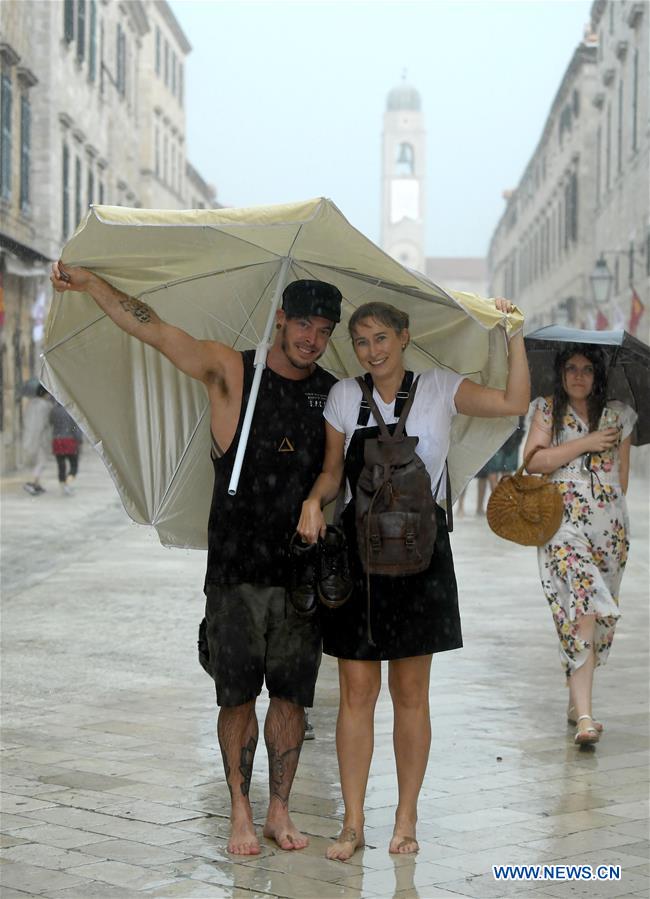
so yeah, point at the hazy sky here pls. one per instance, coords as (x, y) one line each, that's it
(285, 100)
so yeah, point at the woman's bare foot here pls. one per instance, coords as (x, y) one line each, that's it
(346, 844)
(243, 839)
(280, 828)
(403, 841)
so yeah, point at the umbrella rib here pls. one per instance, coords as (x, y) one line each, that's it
(261, 296)
(376, 283)
(251, 243)
(390, 285)
(178, 464)
(248, 315)
(225, 325)
(76, 333)
(201, 276)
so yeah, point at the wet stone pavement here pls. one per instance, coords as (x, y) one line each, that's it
(111, 777)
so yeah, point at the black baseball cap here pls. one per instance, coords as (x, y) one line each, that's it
(307, 297)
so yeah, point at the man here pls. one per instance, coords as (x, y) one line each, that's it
(37, 438)
(252, 634)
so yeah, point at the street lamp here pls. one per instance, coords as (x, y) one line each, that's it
(601, 282)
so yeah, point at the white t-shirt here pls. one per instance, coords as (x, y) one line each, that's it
(429, 419)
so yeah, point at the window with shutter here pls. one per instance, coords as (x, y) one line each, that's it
(65, 199)
(6, 112)
(25, 150)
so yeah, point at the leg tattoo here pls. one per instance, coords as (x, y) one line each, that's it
(246, 765)
(282, 767)
(283, 732)
(237, 731)
(226, 769)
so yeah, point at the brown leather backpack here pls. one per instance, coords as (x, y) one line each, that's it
(394, 508)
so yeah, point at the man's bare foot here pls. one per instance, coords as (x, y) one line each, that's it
(346, 844)
(281, 828)
(243, 839)
(402, 844)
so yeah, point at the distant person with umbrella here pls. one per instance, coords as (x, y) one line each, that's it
(250, 634)
(585, 440)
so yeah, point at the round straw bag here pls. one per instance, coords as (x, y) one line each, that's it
(526, 509)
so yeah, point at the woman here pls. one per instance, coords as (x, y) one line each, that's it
(66, 440)
(585, 442)
(412, 617)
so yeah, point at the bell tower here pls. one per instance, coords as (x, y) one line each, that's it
(403, 177)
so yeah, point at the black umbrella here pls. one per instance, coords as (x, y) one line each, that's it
(628, 367)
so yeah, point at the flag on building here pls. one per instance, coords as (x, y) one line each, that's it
(636, 311)
(602, 322)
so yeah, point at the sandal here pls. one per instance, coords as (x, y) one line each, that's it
(573, 721)
(588, 736)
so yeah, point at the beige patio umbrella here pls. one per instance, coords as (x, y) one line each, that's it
(219, 274)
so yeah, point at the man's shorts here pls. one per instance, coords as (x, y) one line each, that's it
(251, 634)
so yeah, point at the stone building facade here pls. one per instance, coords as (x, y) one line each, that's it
(585, 192)
(622, 112)
(92, 112)
(162, 80)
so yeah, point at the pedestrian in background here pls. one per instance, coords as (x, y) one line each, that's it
(37, 438)
(503, 462)
(586, 451)
(413, 616)
(66, 442)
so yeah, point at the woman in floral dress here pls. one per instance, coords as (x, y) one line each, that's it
(585, 447)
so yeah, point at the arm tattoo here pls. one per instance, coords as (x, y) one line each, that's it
(246, 765)
(282, 767)
(138, 309)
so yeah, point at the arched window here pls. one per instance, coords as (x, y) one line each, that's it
(405, 160)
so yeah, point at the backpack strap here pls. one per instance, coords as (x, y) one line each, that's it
(367, 393)
(400, 399)
(404, 414)
(450, 514)
(406, 408)
(364, 408)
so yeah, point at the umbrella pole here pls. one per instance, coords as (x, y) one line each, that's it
(260, 364)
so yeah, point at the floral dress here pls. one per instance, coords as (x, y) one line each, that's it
(582, 565)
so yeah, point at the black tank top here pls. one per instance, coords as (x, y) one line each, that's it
(249, 533)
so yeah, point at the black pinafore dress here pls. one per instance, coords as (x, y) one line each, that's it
(412, 615)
